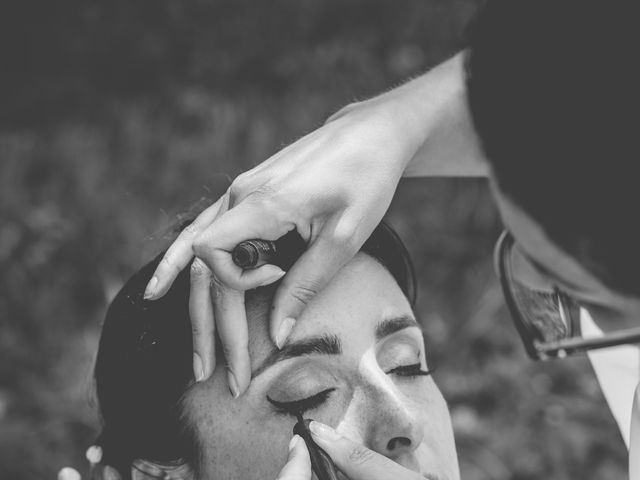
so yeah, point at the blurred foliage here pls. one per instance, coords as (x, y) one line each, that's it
(116, 116)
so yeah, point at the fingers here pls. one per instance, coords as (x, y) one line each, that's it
(231, 323)
(202, 321)
(245, 221)
(180, 252)
(298, 466)
(310, 274)
(357, 461)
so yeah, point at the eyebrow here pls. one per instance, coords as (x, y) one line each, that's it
(320, 345)
(392, 325)
(329, 344)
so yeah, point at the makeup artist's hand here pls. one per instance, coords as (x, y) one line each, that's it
(333, 186)
(356, 461)
(298, 466)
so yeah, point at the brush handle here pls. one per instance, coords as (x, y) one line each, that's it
(321, 462)
(253, 253)
(282, 252)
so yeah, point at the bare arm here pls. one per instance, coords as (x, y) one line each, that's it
(333, 186)
(437, 102)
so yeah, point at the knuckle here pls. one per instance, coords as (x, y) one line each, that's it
(226, 350)
(192, 228)
(242, 180)
(199, 329)
(196, 330)
(344, 235)
(234, 194)
(199, 269)
(304, 293)
(263, 191)
(234, 349)
(360, 455)
(200, 244)
(238, 187)
(217, 287)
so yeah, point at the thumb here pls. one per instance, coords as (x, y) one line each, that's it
(298, 466)
(306, 278)
(357, 461)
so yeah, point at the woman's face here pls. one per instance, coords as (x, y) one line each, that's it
(353, 361)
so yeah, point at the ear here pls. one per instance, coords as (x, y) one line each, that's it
(142, 469)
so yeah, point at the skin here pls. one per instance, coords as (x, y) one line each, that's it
(403, 418)
(334, 185)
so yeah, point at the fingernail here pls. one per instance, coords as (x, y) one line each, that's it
(198, 369)
(272, 278)
(233, 384)
(150, 291)
(292, 442)
(94, 454)
(68, 473)
(324, 432)
(283, 332)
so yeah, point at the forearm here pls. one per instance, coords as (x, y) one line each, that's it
(437, 115)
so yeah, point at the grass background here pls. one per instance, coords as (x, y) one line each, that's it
(117, 115)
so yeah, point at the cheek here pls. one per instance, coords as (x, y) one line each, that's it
(239, 439)
(252, 450)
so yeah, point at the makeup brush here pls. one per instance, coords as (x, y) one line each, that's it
(321, 462)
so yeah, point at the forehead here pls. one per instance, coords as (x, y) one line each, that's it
(360, 295)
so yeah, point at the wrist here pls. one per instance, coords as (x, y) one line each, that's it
(437, 108)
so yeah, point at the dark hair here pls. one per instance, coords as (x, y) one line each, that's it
(144, 362)
(553, 93)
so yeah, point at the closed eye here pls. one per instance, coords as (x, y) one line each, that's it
(299, 406)
(413, 370)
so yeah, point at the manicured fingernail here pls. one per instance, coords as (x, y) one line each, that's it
(94, 454)
(293, 442)
(272, 278)
(324, 432)
(233, 384)
(68, 473)
(198, 369)
(150, 291)
(283, 332)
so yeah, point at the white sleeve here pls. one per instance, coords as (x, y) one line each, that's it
(634, 444)
(618, 372)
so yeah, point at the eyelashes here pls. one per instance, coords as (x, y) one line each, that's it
(314, 401)
(413, 370)
(302, 405)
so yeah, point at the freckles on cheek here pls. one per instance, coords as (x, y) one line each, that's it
(238, 439)
(252, 454)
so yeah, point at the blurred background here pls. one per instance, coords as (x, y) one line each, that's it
(116, 116)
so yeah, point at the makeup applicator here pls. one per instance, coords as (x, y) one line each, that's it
(321, 462)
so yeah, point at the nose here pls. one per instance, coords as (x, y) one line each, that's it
(395, 428)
